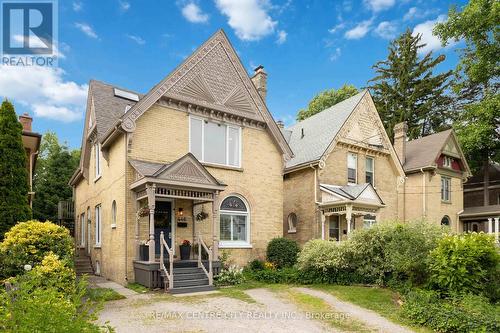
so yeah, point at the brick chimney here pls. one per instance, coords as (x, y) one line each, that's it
(400, 130)
(280, 124)
(26, 121)
(259, 80)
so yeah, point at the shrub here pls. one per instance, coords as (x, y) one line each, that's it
(52, 273)
(466, 263)
(470, 313)
(256, 265)
(282, 252)
(29, 242)
(229, 276)
(283, 275)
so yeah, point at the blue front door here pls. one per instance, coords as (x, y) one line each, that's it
(163, 222)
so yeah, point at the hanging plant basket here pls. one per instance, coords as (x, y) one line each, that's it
(143, 212)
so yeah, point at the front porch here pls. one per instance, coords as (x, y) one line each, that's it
(176, 205)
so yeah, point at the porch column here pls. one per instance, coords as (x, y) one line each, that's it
(323, 218)
(497, 226)
(215, 225)
(136, 228)
(490, 225)
(150, 190)
(348, 217)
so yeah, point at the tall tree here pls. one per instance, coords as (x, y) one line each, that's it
(476, 78)
(56, 164)
(325, 99)
(406, 88)
(14, 205)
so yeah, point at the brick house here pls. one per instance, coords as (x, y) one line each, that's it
(344, 174)
(198, 158)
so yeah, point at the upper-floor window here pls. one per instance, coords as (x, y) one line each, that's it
(370, 170)
(352, 168)
(97, 157)
(447, 161)
(445, 189)
(98, 225)
(216, 143)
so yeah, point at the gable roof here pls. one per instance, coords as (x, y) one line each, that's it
(351, 192)
(211, 77)
(319, 131)
(423, 152)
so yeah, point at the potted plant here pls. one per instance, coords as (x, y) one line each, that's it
(185, 248)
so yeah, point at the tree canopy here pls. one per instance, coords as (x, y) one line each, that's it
(325, 99)
(56, 164)
(476, 80)
(14, 188)
(406, 89)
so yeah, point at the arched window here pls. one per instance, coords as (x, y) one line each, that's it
(234, 222)
(445, 220)
(292, 223)
(113, 214)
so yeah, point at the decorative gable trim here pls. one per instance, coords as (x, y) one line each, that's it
(199, 80)
(186, 169)
(453, 137)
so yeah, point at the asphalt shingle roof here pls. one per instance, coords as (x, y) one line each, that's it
(318, 131)
(145, 168)
(423, 152)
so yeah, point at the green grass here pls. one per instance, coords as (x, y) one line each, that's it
(139, 288)
(103, 294)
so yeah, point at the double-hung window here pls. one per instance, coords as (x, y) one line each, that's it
(98, 225)
(215, 143)
(234, 222)
(369, 221)
(445, 189)
(97, 157)
(83, 226)
(352, 168)
(370, 170)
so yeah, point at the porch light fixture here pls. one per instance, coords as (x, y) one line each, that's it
(181, 211)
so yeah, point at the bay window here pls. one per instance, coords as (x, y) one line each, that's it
(215, 143)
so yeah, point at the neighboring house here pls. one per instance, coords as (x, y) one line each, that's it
(31, 143)
(482, 201)
(344, 174)
(197, 158)
(435, 170)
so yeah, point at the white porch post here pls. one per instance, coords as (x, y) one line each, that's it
(490, 225)
(323, 218)
(496, 228)
(150, 190)
(136, 228)
(215, 225)
(348, 217)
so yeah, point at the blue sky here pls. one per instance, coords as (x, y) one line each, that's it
(305, 46)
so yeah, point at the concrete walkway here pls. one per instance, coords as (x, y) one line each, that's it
(369, 318)
(100, 282)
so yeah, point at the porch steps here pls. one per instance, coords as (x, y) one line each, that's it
(189, 278)
(83, 265)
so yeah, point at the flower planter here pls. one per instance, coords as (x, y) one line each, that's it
(143, 252)
(185, 251)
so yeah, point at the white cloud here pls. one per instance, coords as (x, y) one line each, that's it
(379, 5)
(136, 39)
(386, 30)
(124, 5)
(336, 28)
(249, 18)
(87, 29)
(193, 13)
(45, 91)
(282, 34)
(433, 43)
(416, 13)
(359, 31)
(77, 6)
(335, 55)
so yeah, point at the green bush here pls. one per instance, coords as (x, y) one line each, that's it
(229, 276)
(27, 243)
(470, 313)
(282, 252)
(256, 265)
(283, 275)
(466, 263)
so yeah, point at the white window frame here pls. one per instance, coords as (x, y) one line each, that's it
(113, 214)
(98, 225)
(83, 226)
(228, 126)
(97, 161)
(447, 162)
(369, 221)
(373, 169)
(445, 189)
(230, 243)
(356, 168)
(292, 228)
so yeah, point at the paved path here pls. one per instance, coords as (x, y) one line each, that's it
(369, 318)
(101, 282)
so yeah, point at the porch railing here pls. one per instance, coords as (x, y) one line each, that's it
(170, 273)
(210, 272)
